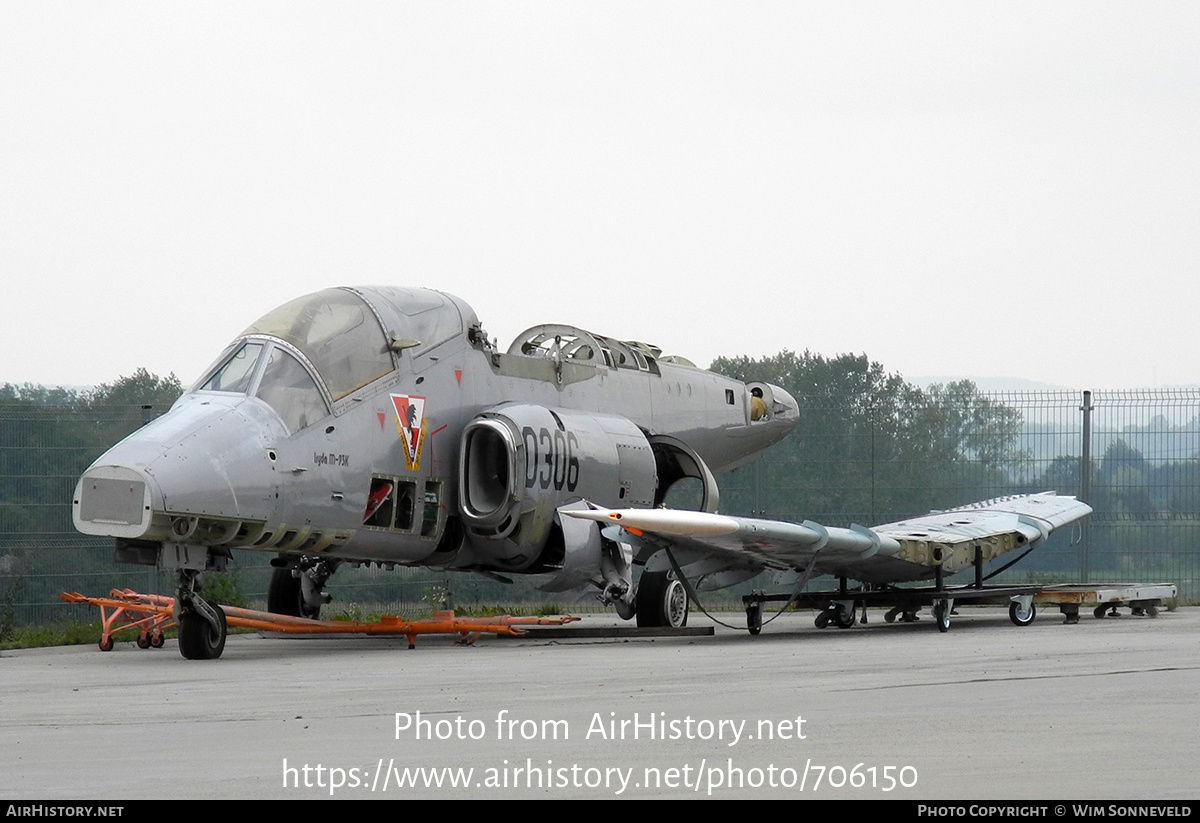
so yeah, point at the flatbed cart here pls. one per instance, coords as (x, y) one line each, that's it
(1143, 599)
(840, 608)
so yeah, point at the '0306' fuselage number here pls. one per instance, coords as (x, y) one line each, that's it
(551, 459)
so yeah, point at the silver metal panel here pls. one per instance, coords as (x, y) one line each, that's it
(109, 500)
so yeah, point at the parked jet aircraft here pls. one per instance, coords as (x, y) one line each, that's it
(379, 425)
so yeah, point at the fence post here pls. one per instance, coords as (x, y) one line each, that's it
(1085, 483)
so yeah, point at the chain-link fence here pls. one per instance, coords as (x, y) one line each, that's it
(1135, 456)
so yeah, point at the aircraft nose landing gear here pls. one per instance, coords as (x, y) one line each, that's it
(202, 628)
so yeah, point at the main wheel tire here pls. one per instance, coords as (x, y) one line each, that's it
(661, 601)
(198, 640)
(1019, 616)
(675, 604)
(285, 595)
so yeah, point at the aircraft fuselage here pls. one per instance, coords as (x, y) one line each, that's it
(379, 424)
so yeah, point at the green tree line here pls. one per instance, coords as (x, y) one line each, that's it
(871, 446)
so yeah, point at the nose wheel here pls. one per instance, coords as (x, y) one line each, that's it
(202, 636)
(202, 627)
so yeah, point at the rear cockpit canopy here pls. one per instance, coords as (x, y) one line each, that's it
(560, 342)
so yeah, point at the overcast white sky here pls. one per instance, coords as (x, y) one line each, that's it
(987, 189)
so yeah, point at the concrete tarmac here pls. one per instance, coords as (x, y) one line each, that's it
(1105, 709)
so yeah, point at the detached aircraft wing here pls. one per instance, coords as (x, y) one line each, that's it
(721, 550)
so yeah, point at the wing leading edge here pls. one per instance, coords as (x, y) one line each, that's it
(909, 549)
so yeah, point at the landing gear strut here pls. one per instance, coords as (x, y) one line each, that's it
(618, 590)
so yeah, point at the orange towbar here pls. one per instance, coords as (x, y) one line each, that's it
(151, 614)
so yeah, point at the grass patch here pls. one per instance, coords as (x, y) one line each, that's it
(354, 613)
(60, 634)
(498, 610)
(80, 634)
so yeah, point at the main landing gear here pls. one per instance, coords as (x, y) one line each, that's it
(661, 601)
(297, 589)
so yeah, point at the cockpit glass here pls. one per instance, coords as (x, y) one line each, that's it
(337, 332)
(237, 372)
(290, 390)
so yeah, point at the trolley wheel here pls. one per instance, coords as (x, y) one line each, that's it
(754, 618)
(941, 614)
(844, 620)
(1020, 616)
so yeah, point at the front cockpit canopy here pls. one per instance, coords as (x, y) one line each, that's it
(338, 333)
(342, 338)
(335, 330)
(285, 384)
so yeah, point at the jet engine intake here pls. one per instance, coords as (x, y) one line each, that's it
(520, 463)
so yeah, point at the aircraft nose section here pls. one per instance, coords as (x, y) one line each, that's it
(114, 501)
(198, 473)
(786, 407)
